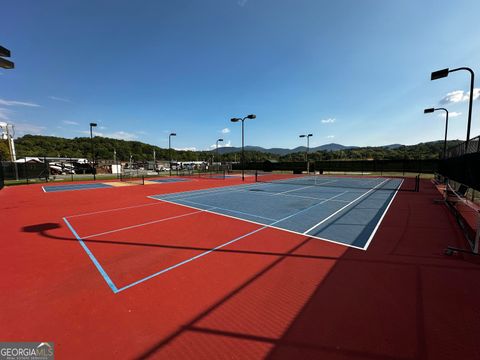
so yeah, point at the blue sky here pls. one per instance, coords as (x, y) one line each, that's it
(354, 72)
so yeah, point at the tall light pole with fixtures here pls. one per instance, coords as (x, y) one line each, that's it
(251, 116)
(444, 73)
(92, 125)
(431, 110)
(6, 64)
(216, 151)
(170, 149)
(306, 152)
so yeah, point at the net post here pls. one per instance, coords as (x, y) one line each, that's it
(143, 179)
(47, 168)
(256, 175)
(26, 169)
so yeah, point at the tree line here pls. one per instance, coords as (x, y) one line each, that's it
(81, 147)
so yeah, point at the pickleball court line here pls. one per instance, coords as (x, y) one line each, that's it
(116, 290)
(342, 208)
(93, 258)
(367, 244)
(142, 224)
(263, 227)
(268, 225)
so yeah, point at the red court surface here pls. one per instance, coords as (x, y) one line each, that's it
(269, 295)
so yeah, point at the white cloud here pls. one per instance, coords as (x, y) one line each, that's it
(460, 96)
(330, 136)
(225, 131)
(451, 114)
(221, 144)
(193, 148)
(68, 122)
(328, 121)
(17, 103)
(56, 98)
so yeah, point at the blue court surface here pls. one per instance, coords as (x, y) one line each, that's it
(341, 214)
(57, 188)
(168, 180)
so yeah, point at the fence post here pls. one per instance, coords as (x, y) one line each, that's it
(2, 182)
(47, 168)
(25, 169)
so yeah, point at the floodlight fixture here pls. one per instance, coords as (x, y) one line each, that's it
(444, 73)
(439, 74)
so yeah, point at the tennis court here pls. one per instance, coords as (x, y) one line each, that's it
(74, 187)
(341, 214)
(216, 268)
(347, 213)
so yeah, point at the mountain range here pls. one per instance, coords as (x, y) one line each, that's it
(283, 151)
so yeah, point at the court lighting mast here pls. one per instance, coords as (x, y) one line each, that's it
(306, 152)
(92, 125)
(251, 116)
(170, 149)
(431, 110)
(216, 151)
(444, 73)
(6, 64)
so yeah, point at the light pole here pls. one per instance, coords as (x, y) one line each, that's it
(306, 152)
(431, 110)
(444, 73)
(170, 150)
(6, 64)
(251, 116)
(216, 151)
(92, 125)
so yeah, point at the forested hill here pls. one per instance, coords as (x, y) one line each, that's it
(36, 145)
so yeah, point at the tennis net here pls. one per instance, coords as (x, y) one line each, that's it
(466, 213)
(377, 183)
(133, 177)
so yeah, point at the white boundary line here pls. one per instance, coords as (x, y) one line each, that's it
(230, 210)
(342, 208)
(261, 224)
(111, 210)
(190, 259)
(143, 224)
(367, 244)
(214, 190)
(285, 192)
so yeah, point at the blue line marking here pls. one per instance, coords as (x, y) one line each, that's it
(212, 250)
(92, 257)
(191, 259)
